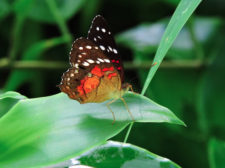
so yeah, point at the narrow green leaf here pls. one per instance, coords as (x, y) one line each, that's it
(145, 37)
(115, 154)
(47, 130)
(179, 18)
(216, 153)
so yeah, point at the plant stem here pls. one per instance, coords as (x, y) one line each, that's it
(60, 20)
(19, 20)
(128, 132)
(4, 64)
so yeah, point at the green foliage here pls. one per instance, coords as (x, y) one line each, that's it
(216, 153)
(115, 154)
(179, 18)
(35, 38)
(146, 37)
(39, 10)
(34, 127)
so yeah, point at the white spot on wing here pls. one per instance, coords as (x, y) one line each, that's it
(99, 37)
(90, 61)
(103, 30)
(95, 39)
(102, 47)
(97, 28)
(96, 47)
(107, 60)
(88, 47)
(76, 65)
(97, 62)
(80, 48)
(101, 60)
(109, 32)
(79, 56)
(115, 51)
(110, 48)
(85, 64)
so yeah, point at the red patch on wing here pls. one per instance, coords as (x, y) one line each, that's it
(87, 85)
(108, 69)
(111, 75)
(97, 71)
(90, 84)
(80, 90)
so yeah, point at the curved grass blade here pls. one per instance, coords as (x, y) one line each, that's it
(179, 18)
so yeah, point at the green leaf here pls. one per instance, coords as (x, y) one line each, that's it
(146, 37)
(115, 154)
(8, 100)
(179, 18)
(47, 130)
(216, 153)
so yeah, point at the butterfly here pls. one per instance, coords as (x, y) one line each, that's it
(96, 72)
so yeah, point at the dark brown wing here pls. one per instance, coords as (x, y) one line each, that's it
(101, 35)
(84, 56)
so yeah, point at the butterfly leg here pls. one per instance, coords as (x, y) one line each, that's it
(129, 87)
(108, 105)
(127, 108)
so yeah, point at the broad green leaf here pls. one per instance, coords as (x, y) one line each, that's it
(146, 37)
(179, 18)
(8, 100)
(11, 94)
(47, 130)
(115, 154)
(216, 153)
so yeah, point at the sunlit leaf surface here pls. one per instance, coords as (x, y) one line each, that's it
(47, 130)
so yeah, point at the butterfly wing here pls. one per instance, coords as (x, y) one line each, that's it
(84, 56)
(100, 34)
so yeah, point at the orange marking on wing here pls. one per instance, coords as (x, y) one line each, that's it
(80, 90)
(90, 84)
(97, 71)
(108, 69)
(111, 75)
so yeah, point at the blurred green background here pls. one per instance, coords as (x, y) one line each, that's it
(35, 40)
